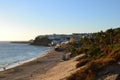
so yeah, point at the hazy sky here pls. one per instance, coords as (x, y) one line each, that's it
(25, 19)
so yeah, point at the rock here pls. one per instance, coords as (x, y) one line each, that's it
(67, 56)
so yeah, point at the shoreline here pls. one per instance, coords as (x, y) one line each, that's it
(37, 66)
(19, 63)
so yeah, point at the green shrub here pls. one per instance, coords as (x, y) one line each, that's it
(93, 52)
(113, 47)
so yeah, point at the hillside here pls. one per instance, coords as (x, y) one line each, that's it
(102, 52)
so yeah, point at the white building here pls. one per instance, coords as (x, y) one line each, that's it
(58, 38)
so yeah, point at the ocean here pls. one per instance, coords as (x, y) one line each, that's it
(13, 54)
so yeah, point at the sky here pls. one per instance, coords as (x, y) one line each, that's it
(26, 19)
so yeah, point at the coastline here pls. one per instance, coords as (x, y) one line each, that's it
(19, 63)
(39, 65)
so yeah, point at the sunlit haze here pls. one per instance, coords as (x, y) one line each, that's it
(25, 19)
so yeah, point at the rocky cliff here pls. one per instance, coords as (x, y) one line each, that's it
(41, 41)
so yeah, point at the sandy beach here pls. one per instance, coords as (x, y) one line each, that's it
(29, 70)
(60, 71)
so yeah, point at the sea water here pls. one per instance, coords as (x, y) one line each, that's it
(12, 54)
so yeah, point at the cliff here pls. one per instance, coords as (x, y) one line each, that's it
(41, 41)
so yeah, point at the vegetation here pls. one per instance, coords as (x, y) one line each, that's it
(101, 50)
(43, 41)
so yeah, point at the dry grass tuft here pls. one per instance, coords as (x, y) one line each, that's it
(90, 71)
(82, 62)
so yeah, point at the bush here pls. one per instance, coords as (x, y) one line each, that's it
(115, 54)
(93, 52)
(113, 47)
(79, 51)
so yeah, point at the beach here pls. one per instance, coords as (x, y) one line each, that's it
(28, 70)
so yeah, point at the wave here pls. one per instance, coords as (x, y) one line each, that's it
(18, 63)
